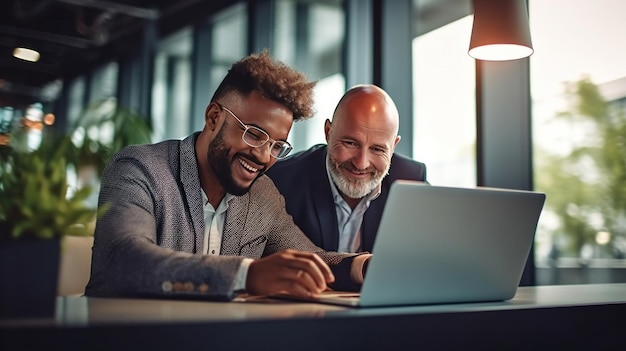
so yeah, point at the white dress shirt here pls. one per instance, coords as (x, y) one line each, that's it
(213, 229)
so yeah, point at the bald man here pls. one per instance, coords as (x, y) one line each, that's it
(336, 192)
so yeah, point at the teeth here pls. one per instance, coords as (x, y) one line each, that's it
(247, 166)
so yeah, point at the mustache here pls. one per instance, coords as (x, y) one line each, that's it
(349, 166)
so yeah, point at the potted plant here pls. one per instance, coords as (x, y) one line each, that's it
(37, 208)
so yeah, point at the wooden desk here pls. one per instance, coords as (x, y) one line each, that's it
(566, 317)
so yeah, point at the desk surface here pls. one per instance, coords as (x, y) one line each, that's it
(566, 315)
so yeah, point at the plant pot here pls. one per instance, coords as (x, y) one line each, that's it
(29, 272)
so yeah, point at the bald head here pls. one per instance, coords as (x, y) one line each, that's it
(367, 104)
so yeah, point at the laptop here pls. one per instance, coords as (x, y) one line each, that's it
(439, 245)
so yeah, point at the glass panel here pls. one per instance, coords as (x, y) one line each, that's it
(6, 120)
(327, 93)
(104, 82)
(171, 90)
(229, 35)
(578, 88)
(229, 42)
(444, 128)
(315, 49)
(102, 102)
(76, 100)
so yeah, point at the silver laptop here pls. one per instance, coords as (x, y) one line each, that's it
(447, 245)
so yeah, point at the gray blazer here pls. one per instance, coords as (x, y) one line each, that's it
(149, 241)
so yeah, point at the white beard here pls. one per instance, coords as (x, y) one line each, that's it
(354, 189)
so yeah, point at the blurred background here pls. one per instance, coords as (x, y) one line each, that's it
(118, 72)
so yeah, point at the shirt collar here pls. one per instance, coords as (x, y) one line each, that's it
(225, 200)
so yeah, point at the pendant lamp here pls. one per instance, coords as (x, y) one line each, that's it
(26, 54)
(500, 31)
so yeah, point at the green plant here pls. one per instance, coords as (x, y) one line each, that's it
(35, 200)
(103, 128)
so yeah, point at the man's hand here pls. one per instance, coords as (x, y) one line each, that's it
(290, 271)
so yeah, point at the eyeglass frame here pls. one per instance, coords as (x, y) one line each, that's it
(247, 127)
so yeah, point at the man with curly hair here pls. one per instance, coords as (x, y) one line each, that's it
(198, 217)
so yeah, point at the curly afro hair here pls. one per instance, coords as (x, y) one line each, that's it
(273, 80)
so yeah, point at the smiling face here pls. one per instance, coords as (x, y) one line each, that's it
(230, 165)
(361, 140)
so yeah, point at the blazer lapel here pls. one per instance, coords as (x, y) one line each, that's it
(234, 226)
(371, 218)
(324, 204)
(191, 185)
(370, 224)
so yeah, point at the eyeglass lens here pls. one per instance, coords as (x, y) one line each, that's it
(257, 137)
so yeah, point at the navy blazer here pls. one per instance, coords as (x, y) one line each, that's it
(302, 180)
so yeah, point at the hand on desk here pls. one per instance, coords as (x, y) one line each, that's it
(290, 271)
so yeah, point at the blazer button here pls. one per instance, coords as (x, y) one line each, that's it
(166, 286)
(203, 288)
(188, 287)
(177, 286)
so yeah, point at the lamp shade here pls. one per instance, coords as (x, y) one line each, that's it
(500, 30)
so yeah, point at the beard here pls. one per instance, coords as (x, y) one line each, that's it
(220, 163)
(354, 188)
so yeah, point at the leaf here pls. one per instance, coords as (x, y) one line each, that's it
(33, 193)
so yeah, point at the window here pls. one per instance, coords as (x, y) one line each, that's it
(171, 90)
(309, 37)
(444, 128)
(76, 100)
(229, 42)
(6, 124)
(578, 89)
(103, 82)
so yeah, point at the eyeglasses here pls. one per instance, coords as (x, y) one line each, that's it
(257, 137)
